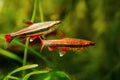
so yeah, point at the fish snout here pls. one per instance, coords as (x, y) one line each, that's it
(57, 22)
(92, 43)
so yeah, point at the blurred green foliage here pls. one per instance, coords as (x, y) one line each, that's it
(94, 20)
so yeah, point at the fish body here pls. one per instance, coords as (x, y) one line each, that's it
(66, 44)
(33, 31)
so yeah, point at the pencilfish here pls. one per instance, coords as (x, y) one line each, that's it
(33, 31)
(66, 44)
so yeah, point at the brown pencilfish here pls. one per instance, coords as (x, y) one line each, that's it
(66, 44)
(33, 31)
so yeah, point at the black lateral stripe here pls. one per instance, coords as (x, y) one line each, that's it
(37, 31)
(67, 45)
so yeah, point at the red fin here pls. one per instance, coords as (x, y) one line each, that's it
(51, 48)
(34, 37)
(56, 32)
(29, 23)
(22, 38)
(14, 47)
(51, 33)
(8, 38)
(61, 34)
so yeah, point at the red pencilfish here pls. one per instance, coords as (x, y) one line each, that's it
(33, 31)
(66, 44)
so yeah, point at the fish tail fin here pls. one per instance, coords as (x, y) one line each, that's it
(42, 42)
(8, 38)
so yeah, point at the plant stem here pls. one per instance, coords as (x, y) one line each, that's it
(34, 10)
(41, 11)
(27, 39)
(38, 55)
(25, 51)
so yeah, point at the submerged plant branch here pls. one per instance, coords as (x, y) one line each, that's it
(37, 54)
(34, 10)
(33, 73)
(20, 69)
(27, 39)
(41, 10)
(10, 55)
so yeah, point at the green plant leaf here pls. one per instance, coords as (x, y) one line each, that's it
(10, 55)
(13, 77)
(62, 74)
(37, 54)
(20, 69)
(59, 75)
(33, 73)
(2, 36)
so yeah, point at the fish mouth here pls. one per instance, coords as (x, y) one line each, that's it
(58, 22)
(55, 23)
(92, 43)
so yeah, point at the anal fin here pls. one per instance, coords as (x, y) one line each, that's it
(22, 38)
(62, 53)
(33, 38)
(51, 48)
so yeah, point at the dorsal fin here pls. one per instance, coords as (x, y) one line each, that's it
(28, 22)
(56, 32)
